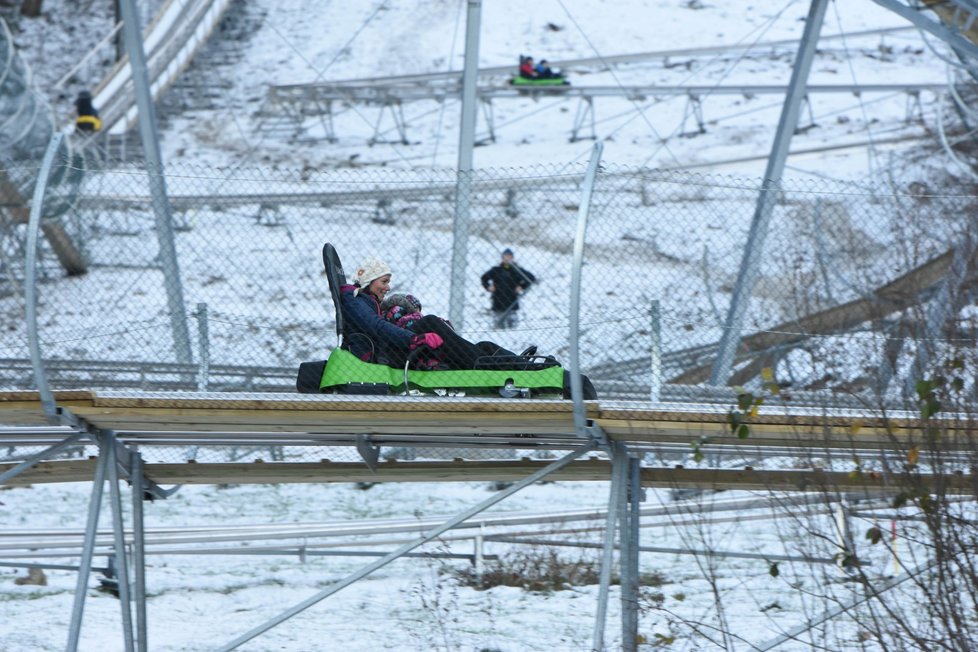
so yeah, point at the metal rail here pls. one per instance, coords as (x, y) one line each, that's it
(603, 60)
(401, 94)
(171, 42)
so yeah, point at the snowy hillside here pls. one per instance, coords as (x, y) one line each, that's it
(219, 114)
(653, 237)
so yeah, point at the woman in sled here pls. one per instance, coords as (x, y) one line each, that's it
(428, 340)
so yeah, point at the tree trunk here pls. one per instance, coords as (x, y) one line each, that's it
(31, 7)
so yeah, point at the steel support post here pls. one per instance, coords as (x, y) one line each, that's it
(655, 326)
(88, 548)
(139, 550)
(577, 385)
(408, 547)
(770, 188)
(157, 180)
(30, 280)
(119, 538)
(204, 348)
(463, 187)
(630, 523)
(619, 471)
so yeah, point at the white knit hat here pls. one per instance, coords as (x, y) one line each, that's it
(368, 272)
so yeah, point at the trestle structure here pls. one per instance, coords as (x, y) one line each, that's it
(292, 106)
(620, 441)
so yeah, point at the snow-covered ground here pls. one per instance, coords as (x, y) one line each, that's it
(201, 602)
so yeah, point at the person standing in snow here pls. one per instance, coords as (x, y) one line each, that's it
(506, 282)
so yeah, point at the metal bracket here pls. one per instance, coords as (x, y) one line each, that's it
(123, 452)
(585, 110)
(368, 451)
(694, 108)
(597, 434)
(490, 118)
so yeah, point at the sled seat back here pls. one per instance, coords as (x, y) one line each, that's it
(336, 278)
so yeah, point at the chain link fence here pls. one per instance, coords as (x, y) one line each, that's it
(858, 287)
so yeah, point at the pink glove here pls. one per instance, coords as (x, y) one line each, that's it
(431, 340)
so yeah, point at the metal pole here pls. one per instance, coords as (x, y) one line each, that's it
(655, 390)
(157, 180)
(619, 468)
(139, 550)
(204, 345)
(577, 386)
(88, 547)
(466, 141)
(770, 187)
(630, 523)
(119, 538)
(408, 547)
(478, 559)
(30, 273)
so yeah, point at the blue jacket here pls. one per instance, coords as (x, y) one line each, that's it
(366, 333)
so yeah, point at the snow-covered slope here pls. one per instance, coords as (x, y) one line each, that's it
(199, 603)
(293, 42)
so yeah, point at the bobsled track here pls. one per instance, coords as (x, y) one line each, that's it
(580, 441)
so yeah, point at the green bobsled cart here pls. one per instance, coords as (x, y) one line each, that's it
(510, 376)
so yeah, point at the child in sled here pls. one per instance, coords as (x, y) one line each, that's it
(393, 341)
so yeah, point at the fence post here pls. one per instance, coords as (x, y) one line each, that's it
(203, 336)
(655, 391)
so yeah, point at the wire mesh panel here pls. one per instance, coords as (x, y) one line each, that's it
(842, 268)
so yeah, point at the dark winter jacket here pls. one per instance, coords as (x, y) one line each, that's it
(367, 334)
(506, 278)
(83, 106)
